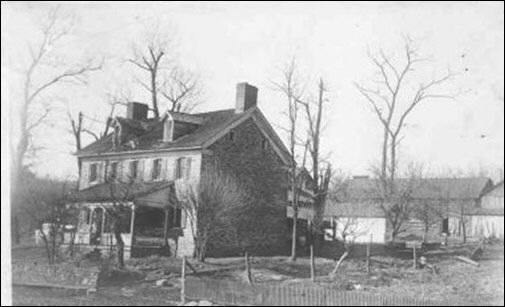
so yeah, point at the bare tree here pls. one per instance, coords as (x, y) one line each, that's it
(156, 56)
(44, 72)
(55, 27)
(314, 113)
(291, 88)
(206, 203)
(392, 101)
(149, 59)
(44, 205)
(182, 89)
(429, 212)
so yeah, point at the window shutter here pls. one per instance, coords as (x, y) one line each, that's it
(100, 172)
(84, 175)
(146, 172)
(183, 218)
(188, 168)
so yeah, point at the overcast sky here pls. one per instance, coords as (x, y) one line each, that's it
(229, 43)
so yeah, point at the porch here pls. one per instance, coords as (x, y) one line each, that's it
(148, 221)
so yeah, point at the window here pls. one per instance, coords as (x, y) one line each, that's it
(178, 168)
(187, 173)
(156, 171)
(231, 136)
(113, 170)
(445, 226)
(177, 218)
(134, 165)
(93, 169)
(183, 168)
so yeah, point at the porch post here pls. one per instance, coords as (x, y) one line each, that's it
(132, 222)
(165, 227)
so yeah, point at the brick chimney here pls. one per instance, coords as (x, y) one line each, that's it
(247, 96)
(136, 110)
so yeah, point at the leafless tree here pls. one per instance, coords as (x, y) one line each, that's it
(290, 87)
(205, 203)
(430, 213)
(182, 89)
(346, 229)
(44, 72)
(392, 101)
(314, 113)
(44, 205)
(156, 56)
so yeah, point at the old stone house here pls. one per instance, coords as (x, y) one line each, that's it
(160, 158)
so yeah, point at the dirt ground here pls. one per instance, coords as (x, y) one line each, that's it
(456, 282)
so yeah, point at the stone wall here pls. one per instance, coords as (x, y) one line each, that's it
(249, 158)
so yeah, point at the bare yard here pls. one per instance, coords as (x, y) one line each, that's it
(456, 282)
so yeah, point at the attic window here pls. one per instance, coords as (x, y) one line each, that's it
(231, 136)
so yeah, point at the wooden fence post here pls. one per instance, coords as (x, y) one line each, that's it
(368, 254)
(183, 281)
(312, 264)
(247, 268)
(414, 257)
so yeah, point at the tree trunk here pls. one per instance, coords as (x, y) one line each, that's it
(154, 93)
(119, 244)
(16, 231)
(294, 234)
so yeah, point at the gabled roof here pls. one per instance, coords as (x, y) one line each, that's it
(426, 188)
(496, 191)
(110, 191)
(213, 125)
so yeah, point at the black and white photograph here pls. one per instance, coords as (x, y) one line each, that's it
(242, 153)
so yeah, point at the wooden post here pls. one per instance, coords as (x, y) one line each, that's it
(414, 257)
(368, 254)
(312, 265)
(247, 268)
(165, 227)
(183, 281)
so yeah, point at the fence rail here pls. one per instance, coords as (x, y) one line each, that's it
(236, 293)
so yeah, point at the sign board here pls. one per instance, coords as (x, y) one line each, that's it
(412, 244)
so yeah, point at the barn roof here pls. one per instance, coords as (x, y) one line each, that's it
(497, 191)
(425, 188)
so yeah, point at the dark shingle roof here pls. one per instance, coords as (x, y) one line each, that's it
(151, 139)
(117, 191)
(427, 188)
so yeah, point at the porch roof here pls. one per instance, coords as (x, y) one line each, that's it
(118, 191)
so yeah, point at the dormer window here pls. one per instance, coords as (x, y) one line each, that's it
(231, 136)
(168, 129)
(93, 172)
(156, 171)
